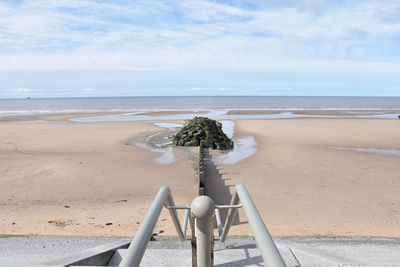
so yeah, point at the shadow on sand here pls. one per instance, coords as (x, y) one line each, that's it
(216, 187)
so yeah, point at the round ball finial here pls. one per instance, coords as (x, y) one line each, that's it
(202, 207)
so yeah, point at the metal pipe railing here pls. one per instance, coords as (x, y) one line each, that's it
(219, 222)
(264, 241)
(230, 216)
(186, 221)
(203, 211)
(174, 215)
(139, 243)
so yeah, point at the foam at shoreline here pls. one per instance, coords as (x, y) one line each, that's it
(222, 115)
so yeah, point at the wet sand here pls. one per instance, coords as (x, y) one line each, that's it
(318, 112)
(311, 113)
(171, 112)
(61, 116)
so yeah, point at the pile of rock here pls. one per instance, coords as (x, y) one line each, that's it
(205, 131)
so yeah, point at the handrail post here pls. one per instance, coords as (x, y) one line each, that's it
(139, 243)
(175, 218)
(219, 223)
(185, 222)
(230, 216)
(269, 251)
(202, 209)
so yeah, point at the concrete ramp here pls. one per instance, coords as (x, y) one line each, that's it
(296, 252)
(31, 251)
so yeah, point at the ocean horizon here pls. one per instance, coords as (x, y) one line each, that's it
(137, 103)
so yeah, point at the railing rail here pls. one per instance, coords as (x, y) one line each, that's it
(264, 241)
(204, 210)
(139, 243)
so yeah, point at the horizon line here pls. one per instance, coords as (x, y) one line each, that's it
(149, 96)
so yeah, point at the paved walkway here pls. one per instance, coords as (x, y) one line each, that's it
(297, 251)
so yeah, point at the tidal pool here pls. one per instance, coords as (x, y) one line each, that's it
(245, 147)
(374, 150)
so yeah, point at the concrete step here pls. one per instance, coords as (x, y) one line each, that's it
(240, 256)
(242, 251)
(183, 257)
(158, 257)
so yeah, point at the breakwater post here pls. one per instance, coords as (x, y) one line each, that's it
(202, 170)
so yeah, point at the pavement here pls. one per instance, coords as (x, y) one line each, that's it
(237, 251)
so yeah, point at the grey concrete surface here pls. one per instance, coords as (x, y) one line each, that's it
(30, 250)
(356, 251)
(237, 251)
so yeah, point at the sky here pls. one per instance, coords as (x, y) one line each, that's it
(78, 48)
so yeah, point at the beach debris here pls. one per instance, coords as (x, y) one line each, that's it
(60, 223)
(153, 237)
(118, 201)
(67, 206)
(108, 224)
(205, 131)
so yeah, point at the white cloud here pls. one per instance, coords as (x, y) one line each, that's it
(200, 89)
(310, 36)
(221, 89)
(23, 90)
(211, 89)
(89, 89)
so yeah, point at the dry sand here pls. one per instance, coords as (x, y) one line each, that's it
(303, 187)
(63, 178)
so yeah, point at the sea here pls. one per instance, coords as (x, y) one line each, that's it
(48, 105)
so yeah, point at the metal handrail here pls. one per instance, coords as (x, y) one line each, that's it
(203, 209)
(264, 241)
(139, 243)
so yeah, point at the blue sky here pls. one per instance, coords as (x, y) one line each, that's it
(272, 47)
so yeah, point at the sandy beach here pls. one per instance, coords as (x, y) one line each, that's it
(104, 103)
(302, 186)
(61, 178)
(87, 179)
